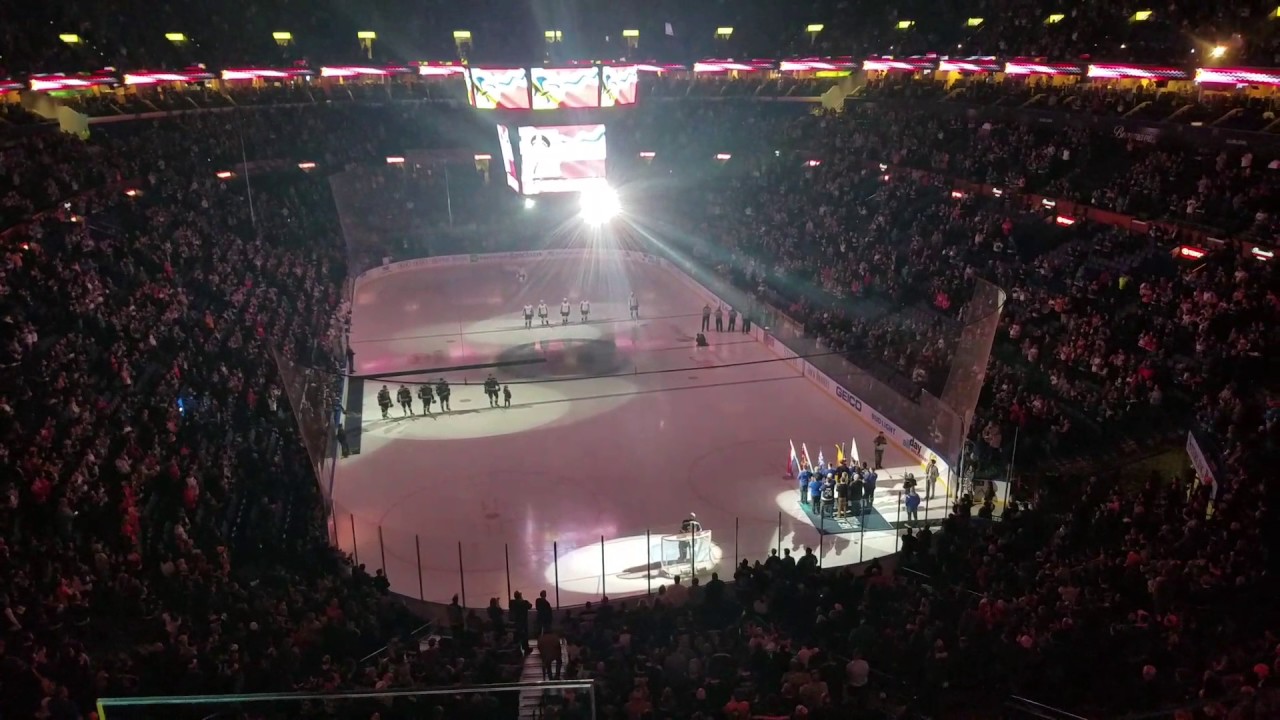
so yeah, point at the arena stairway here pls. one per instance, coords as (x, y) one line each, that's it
(533, 699)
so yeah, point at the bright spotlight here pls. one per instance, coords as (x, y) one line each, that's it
(599, 205)
(529, 203)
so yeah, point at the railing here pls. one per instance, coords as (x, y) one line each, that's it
(575, 568)
(455, 701)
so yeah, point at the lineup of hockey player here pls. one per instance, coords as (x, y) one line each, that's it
(428, 394)
(566, 309)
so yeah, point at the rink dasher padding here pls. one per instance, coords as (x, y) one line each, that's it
(831, 388)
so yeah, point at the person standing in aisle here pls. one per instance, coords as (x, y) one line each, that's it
(706, 318)
(506, 396)
(405, 397)
(880, 442)
(634, 304)
(719, 318)
(427, 397)
(733, 319)
(542, 610)
(518, 610)
(584, 307)
(542, 312)
(746, 323)
(528, 316)
(443, 392)
(564, 311)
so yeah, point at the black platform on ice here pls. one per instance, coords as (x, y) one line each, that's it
(870, 521)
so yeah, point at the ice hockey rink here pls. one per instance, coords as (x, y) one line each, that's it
(617, 430)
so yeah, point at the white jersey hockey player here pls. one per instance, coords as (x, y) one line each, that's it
(521, 276)
(542, 312)
(564, 311)
(528, 316)
(634, 304)
(584, 307)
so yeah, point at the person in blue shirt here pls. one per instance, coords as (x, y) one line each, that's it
(805, 476)
(869, 486)
(815, 492)
(912, 501)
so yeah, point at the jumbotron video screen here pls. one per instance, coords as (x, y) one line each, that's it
(562, 158)
(554, 89)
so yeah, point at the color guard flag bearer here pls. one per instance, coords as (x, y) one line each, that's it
(793, 462)
(853, 450)
(805, 456)
(839, 454)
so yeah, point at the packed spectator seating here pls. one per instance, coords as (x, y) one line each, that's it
(133, 33)
(162, 531)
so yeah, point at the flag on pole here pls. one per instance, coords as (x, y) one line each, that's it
(839, 454)
(805, 456)
(793, 462)
(670, 31)
(822, 462)
(853, 450)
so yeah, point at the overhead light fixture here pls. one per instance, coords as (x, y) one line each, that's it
(973, 22)
(814, 28)
(70, 38)
(1054, 19)
(905, 24)
(224, 174)
(282, 36)
(366, 35)
(395, 160)
(630, 33)
(599, 205)
(1141, 16)
(1218, 51)
(175, 37)
(461, 34)
(306, 166)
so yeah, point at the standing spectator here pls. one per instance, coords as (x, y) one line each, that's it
(545, 616)
(519, 610)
